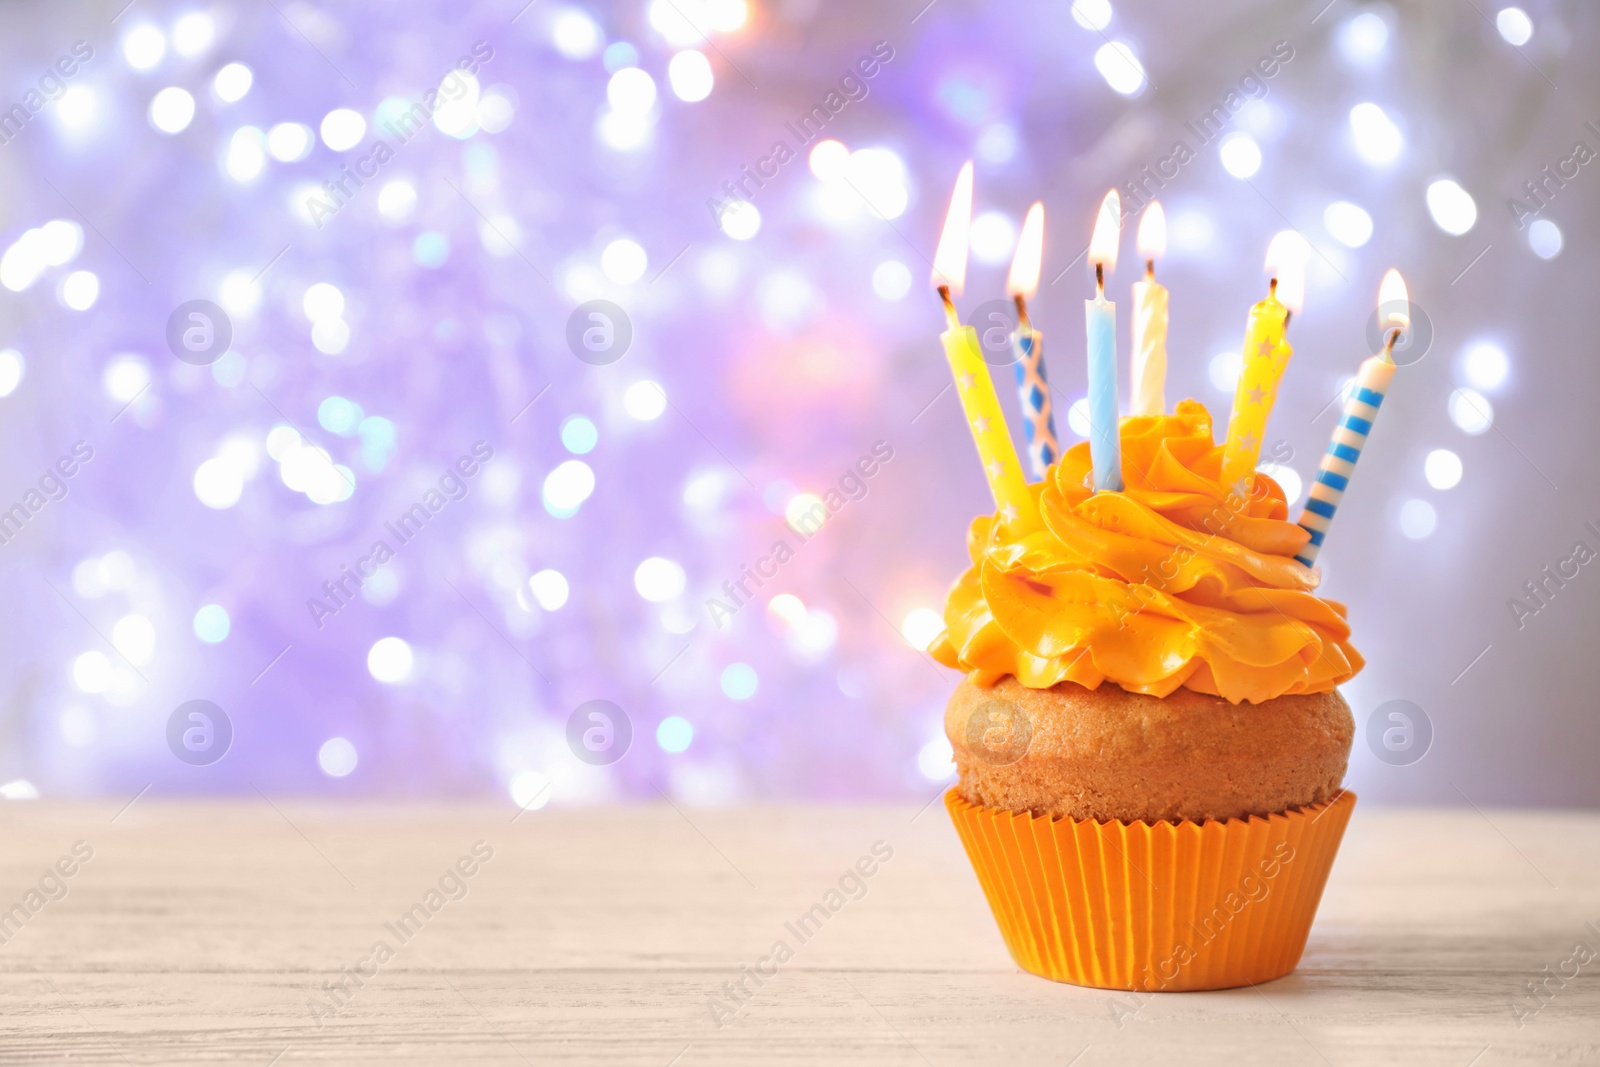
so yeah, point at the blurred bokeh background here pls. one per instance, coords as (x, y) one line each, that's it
(391, 316)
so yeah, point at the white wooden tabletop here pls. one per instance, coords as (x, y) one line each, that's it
(207, 932)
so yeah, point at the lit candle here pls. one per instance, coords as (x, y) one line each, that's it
(974, 386)
(1150, 318)
(1360, 411)
(1100, 314)
(1028, 344)
(1266, 354)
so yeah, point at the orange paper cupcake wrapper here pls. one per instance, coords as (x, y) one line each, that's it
(1153, 907)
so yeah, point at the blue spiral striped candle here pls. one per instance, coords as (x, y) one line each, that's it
(1339, 462)
(1038, 418)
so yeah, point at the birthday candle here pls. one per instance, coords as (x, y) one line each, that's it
(974, 386)
(1100, 317)
(1355, 422)
(1266, 354)
(1027, 343)
(1150, 318)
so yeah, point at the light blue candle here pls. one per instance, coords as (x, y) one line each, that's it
(1105, 445)
(1105, 442)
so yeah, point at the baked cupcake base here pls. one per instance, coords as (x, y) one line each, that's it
(1107, 753)
(1153, 906)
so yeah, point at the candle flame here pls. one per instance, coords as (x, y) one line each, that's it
(1023, 280)
(1107, 228)
(1394, 303)
(1153, 231)
(1286, 261)
(950, 258)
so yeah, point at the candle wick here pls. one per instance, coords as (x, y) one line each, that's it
(1388, 346)
(1100, 277)
(951, 318)
(1272, 288)
(1150, 269)
(1023, 325)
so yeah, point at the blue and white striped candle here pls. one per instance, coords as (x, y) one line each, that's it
(1027, 344)
(1038, 418)
(1339, 462)
(1355, 422)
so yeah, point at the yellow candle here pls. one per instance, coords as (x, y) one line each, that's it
(1266, 354)
(974, 386)
(981, 405)
(1150, 319)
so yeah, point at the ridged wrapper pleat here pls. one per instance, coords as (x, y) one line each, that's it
(1154, 907)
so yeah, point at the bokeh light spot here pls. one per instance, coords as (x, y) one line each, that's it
(739, 681)
(1451, 206)
(690, 75)
(337, 757)
(658, 579)
(1471, 411)
(645, 401)
(1442, 468)
(232, 82)
(1117, 64)
(578, 435)
(1241, 156)
(1485, 365)
(1418, 519)
(1544, 237)
(1514, 25)
(171, 110)
(675, 734)
(1349, 223)
(567, 487)
(921, 626)
(390, 660)
(549, 588)
(212, 624)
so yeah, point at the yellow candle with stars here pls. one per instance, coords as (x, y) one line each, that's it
(1265, 356)
(974, 386)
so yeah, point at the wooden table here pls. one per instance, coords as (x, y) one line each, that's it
(201, 932)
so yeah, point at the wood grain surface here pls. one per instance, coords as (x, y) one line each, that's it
(208, 932)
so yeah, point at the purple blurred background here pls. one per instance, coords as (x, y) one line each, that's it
(384, 329)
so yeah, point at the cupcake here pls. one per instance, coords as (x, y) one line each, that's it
(1149, 736)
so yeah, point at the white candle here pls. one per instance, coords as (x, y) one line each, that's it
(1150, 318)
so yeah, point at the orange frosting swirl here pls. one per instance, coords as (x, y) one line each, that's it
(1175, 581)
